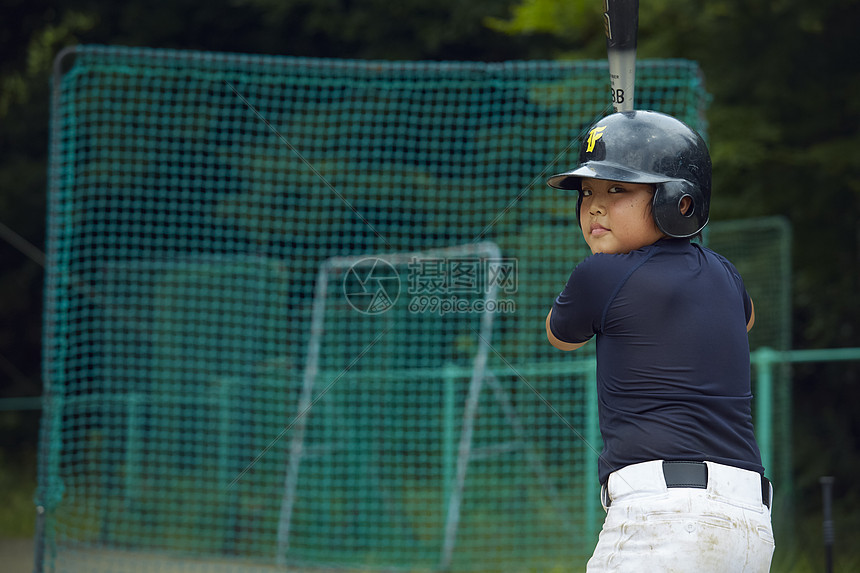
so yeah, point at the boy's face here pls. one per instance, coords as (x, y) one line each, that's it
(616, 217)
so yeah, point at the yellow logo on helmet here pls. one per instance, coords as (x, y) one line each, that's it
(593, 136)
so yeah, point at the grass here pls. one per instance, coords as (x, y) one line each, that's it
(17, 488)
(805, 553)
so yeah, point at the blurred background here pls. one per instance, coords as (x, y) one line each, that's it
(783, 125)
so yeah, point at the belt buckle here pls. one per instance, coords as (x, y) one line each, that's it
(766, 492)
(605, 500)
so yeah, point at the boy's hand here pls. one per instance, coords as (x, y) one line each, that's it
(752, 316)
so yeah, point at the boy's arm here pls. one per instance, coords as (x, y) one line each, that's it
(560, 344)
(752, 316)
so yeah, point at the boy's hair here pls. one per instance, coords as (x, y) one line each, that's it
(648, 147)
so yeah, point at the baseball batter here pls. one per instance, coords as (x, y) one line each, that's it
(681, 473)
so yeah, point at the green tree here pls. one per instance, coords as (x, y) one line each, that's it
(28, 44)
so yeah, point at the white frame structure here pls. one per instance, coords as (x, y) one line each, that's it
(478, 373)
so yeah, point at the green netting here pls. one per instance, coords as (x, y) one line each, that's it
(294, 312)
(761, 251)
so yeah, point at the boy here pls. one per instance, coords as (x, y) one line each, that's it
(681, 473)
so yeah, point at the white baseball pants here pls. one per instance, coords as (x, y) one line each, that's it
(649, 527)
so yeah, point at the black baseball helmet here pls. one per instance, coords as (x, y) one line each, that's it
(648, 147)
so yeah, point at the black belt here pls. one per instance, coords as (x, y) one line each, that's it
(695, 475)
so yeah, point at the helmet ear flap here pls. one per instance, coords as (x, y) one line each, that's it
(579, 208)
(666, 208)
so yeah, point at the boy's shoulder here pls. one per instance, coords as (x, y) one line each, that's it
(615, 260)
(602, 269)
(663, 252)
(721, 258)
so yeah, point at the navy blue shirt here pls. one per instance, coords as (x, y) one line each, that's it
(673, 366)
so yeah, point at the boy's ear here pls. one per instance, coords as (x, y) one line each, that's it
(686, 204)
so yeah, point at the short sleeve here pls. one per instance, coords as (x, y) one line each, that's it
(739, 283)
(578, 310)
(747, 303)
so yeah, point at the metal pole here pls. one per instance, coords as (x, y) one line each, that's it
(302, 412)
(827, 525)
(592, 437)
(764, 359)
(39, 541)
(449, 433)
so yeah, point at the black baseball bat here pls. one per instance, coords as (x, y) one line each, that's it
(621, 20)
